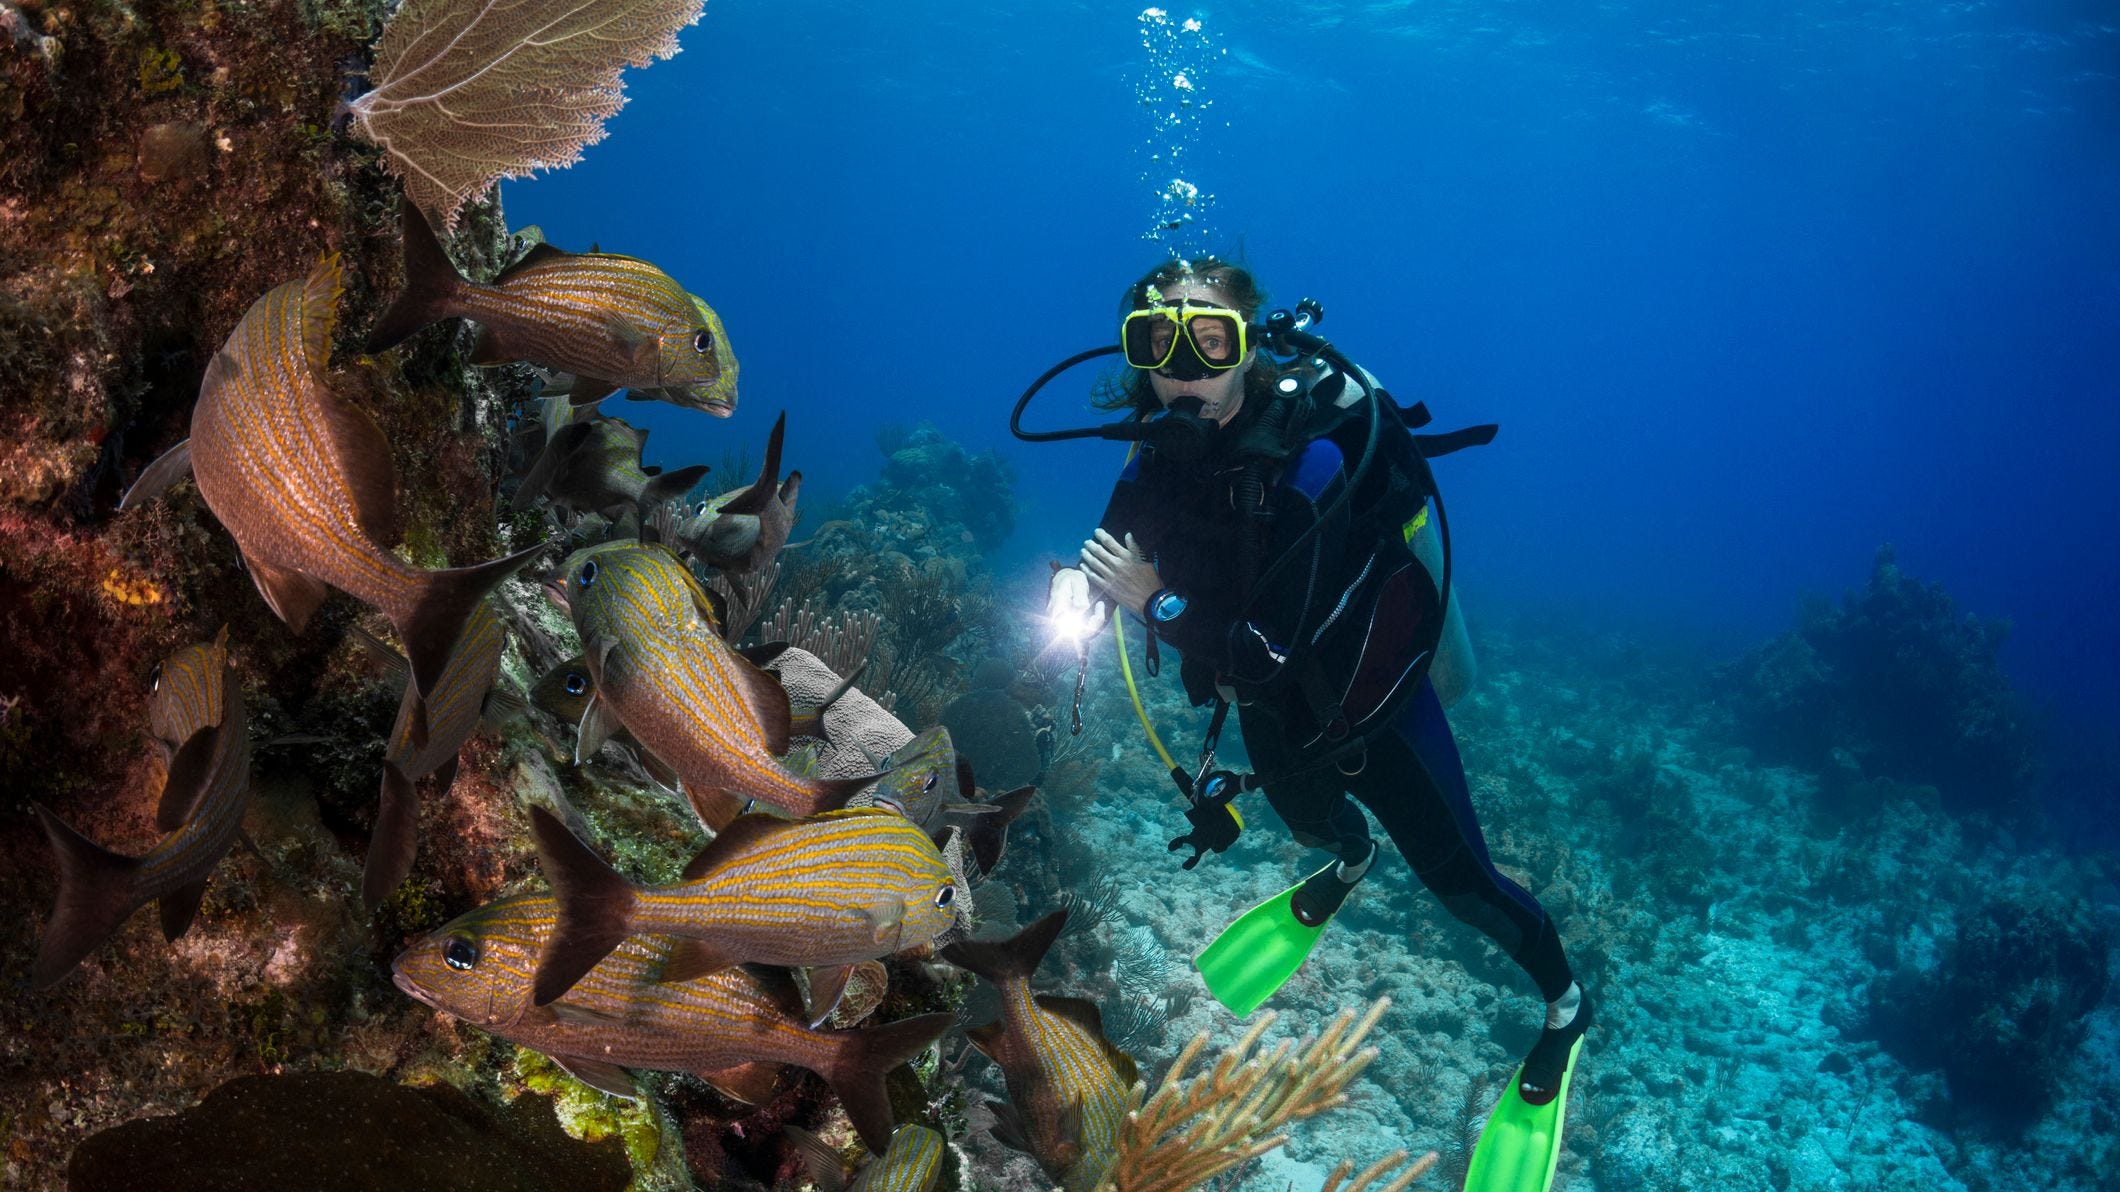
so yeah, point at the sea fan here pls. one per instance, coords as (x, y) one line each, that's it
(471, 91)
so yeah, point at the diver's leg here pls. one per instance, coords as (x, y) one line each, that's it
(1414, 783)
(1311, 800)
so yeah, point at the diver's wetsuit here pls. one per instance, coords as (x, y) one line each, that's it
(1411, 778)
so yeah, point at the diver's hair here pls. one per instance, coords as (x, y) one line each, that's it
(1129, 388)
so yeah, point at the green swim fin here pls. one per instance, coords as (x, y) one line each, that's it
(1258, 953)
(1521, 1143)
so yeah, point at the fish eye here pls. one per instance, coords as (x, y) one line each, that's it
(929, 785)
(587, 575)
(154, 678)
(945, 896)
(460, 954)
(703, 341)
(575, 683)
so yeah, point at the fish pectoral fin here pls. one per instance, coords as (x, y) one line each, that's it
(382, 653)
(768, 701)
(590, 390)
(179, 907)
(169, 467)
(291, 595)
(363, 457)
(1069, 1146)
(1008, 1127)
(820, 1161)
(987, 1038)
(599, 1075)
(596, 727)
(827, 985)
(189, 768)
(888, 925)
(753, 1083)
(692, 959)
(572, 1014)
(501, 708)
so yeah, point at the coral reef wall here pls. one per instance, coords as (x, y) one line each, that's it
(161, 166)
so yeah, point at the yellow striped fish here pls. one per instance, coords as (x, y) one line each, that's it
(1068, 1082)
(304, 482)
(830, 891)
(463, 699)
(626, 1013)
(197, 715)
(614, 322)
(661, 669)
(910, 1165)
(566, 689)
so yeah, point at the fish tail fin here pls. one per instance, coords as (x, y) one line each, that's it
(395, 840)
(1015, 958)
(670, 486)
(595, 906)
(823, 730)
(431, 285)
(95, 896)
(433, 621)
(865, 1057)
(988, 834)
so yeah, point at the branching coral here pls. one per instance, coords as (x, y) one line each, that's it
(842, 643)
(1194, 1129)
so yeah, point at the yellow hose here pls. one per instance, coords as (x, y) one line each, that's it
(1134, 693)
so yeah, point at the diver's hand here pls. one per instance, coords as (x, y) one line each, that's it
(1121, 569)
(1069, 609)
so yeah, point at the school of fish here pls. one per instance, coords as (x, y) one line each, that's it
(808, 887)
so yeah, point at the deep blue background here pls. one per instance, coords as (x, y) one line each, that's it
(1750, 294)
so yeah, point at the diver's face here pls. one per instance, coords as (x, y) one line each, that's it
(1221, 393)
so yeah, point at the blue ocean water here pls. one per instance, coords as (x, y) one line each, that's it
(1750, 291)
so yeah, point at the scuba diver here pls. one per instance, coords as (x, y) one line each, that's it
(1277, 525)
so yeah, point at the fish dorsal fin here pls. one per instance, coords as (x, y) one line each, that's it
(1080, 1011)
(769, 700)
(189, 768)
(1084, 1013)
(600, 1075)
(753, 1083)
(320, 312)
(744, 832)
(755, 498)
(540, 253)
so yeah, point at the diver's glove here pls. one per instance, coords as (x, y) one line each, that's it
(1215, 822)
(1321, 895)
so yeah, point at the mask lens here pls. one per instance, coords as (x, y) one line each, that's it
(1147, 336)
(1216, 339)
